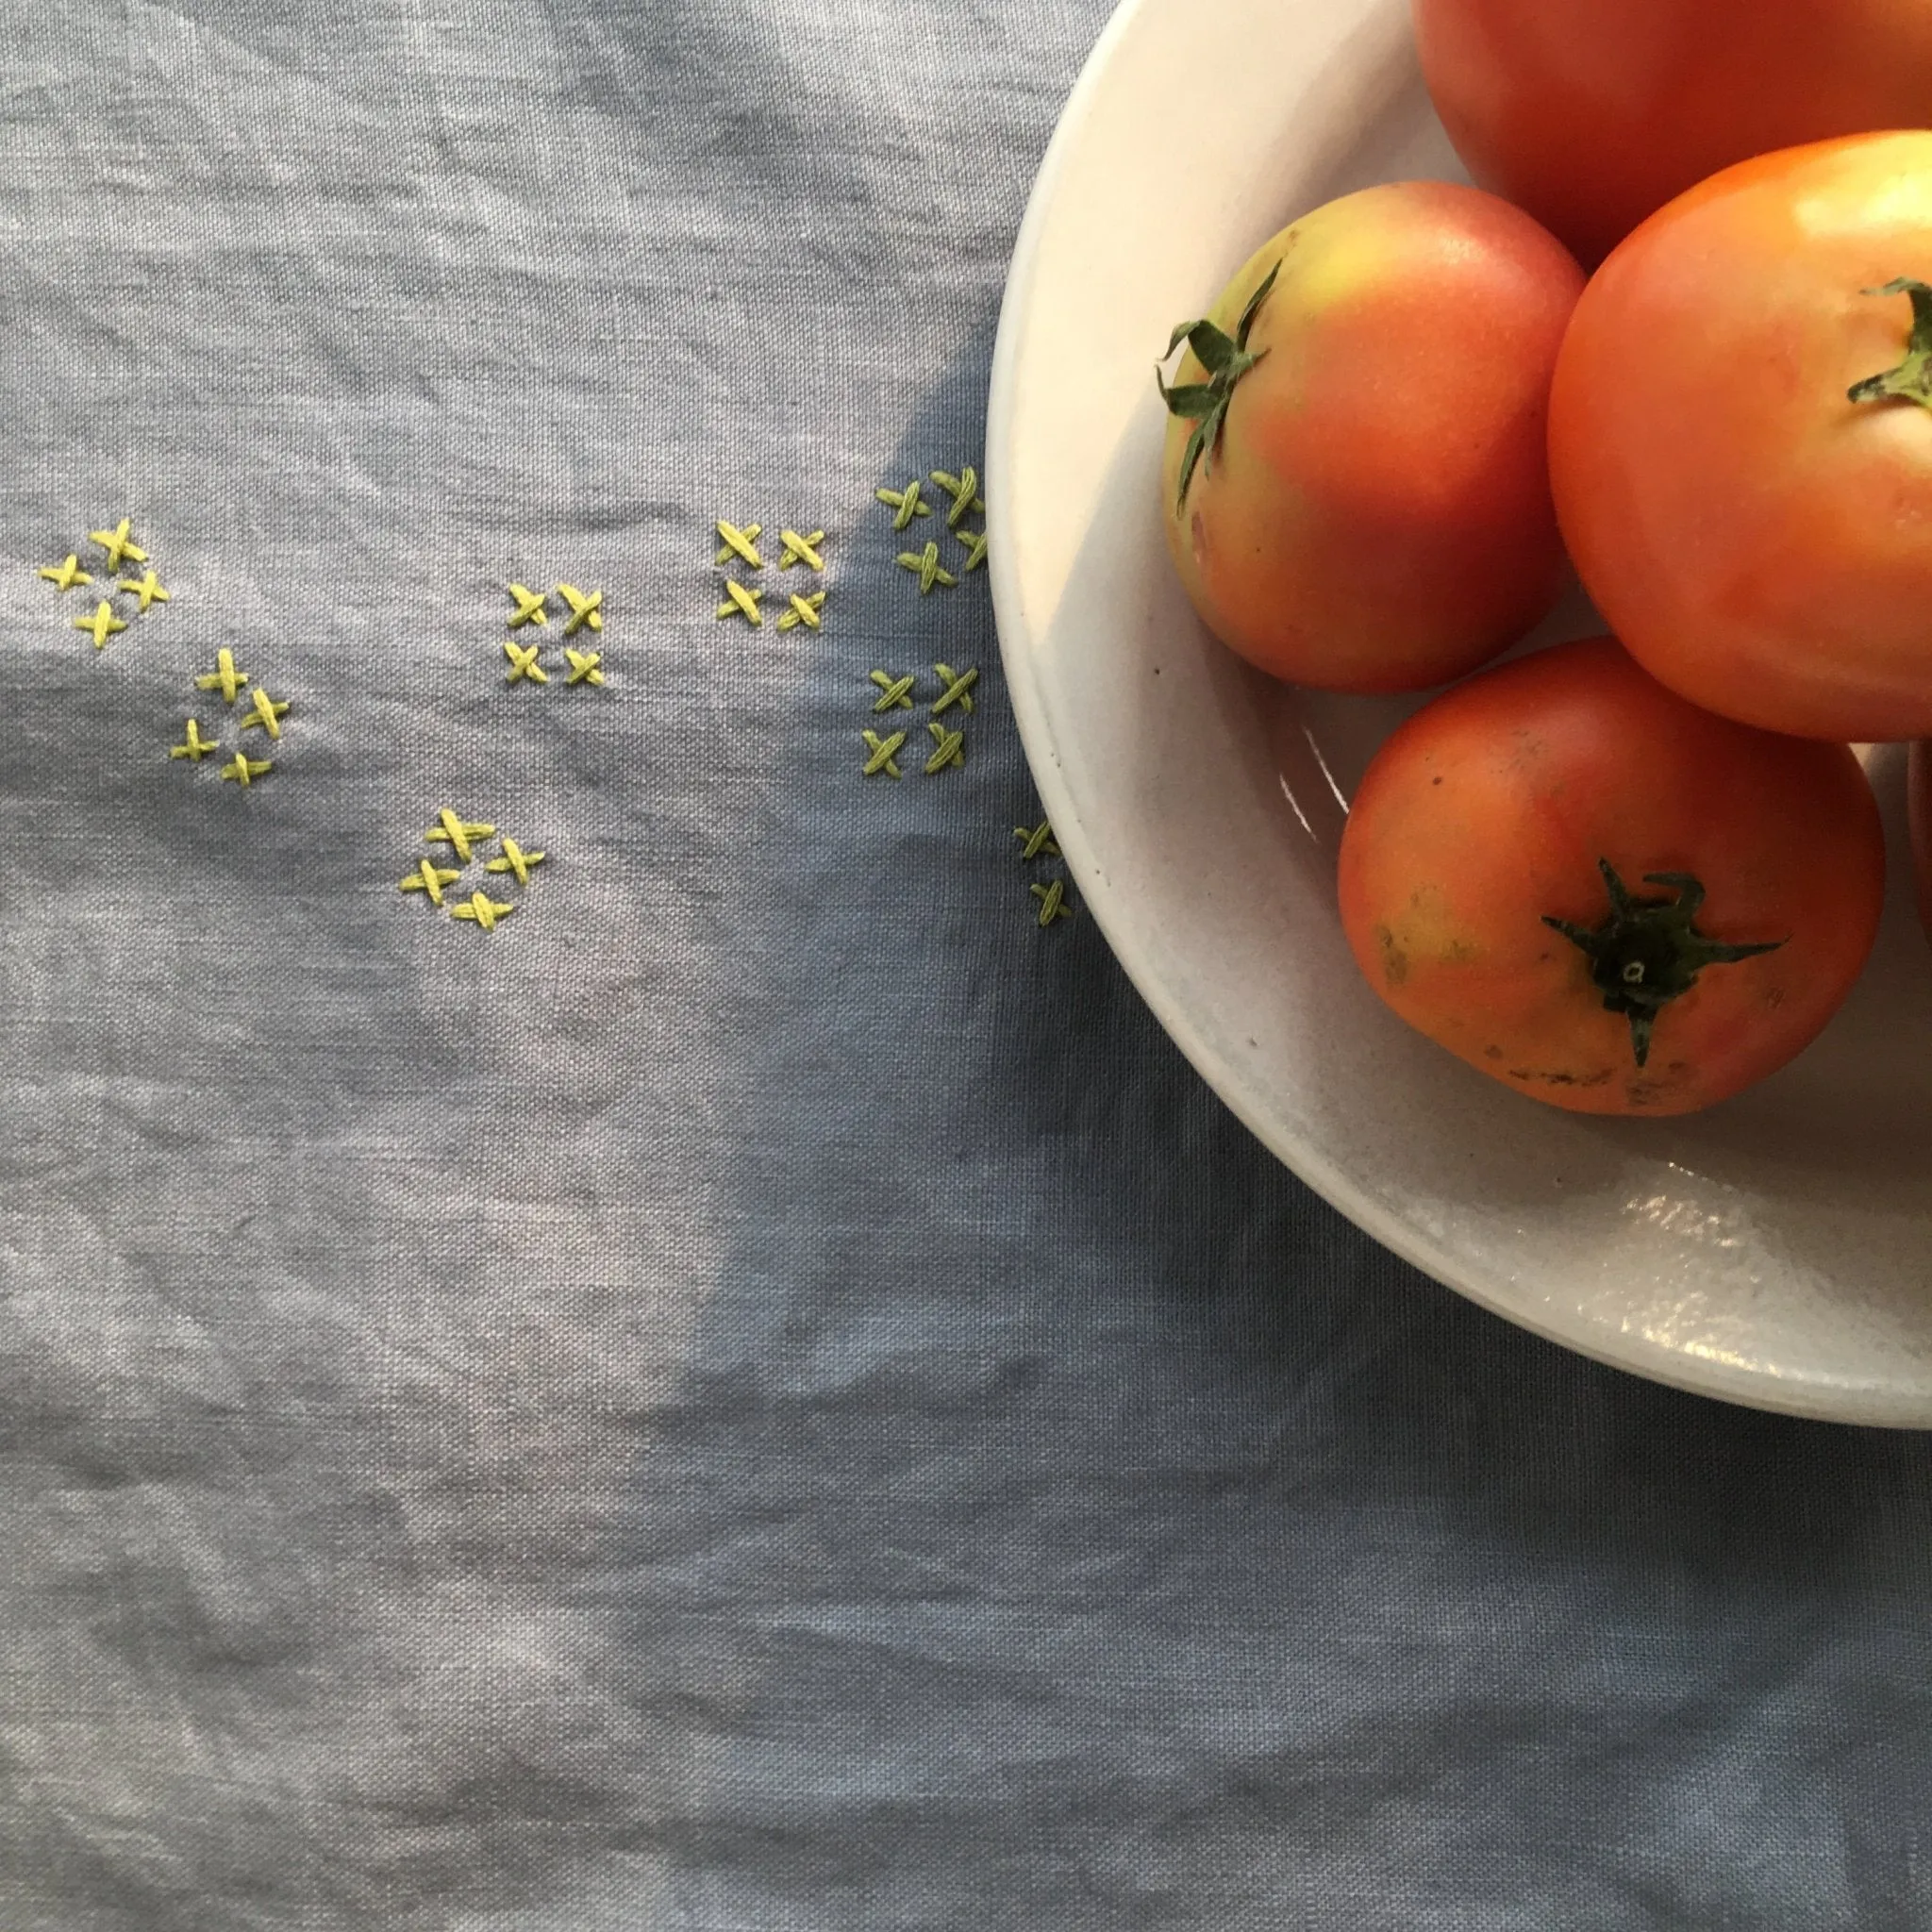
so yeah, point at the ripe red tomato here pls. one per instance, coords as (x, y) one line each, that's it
(1759, 540)
(1358, 489)
(1603, 896)
(1593, 113)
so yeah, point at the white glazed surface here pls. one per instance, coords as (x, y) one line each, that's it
(1771, 1250)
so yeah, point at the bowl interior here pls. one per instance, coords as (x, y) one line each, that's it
(1773, 1250)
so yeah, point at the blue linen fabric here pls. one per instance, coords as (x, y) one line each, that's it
(761, 1395)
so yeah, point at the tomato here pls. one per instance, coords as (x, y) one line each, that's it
(1357, 494)
(1593, 113)
(1603, 896)
(1760, 540)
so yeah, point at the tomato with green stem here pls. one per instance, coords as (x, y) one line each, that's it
(1741, 440)
(1356, 487)
(1603, 896)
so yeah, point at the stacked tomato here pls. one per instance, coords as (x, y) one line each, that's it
(1630, 875)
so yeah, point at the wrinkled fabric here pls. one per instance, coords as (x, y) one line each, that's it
(761, 1395)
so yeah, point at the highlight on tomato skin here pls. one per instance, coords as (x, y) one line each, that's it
(1741, 440)
(1356, 485)
(1593, 113)
(1603, 896)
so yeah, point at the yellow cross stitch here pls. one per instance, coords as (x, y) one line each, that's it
(896, 692)
(102, 625)
(149, 588)
(586, 608)
(964, 491)
(457, 834)
(196, 746)
(430, 878)
(532, 606)
(1035, 840)
(1053, 902)
(65, 574)
(524, 664)
(926, 567)
(743, 603)
(804, 610)
(803, 550)
(976, 550)
(244, 770)
(584, 666)
(905, 504)
(517, 861)
(265, 713)
(224, 677)
(950, 749)
(119, 544)
(958, 689)
(482, 910)
(882, 754)
(740, 544)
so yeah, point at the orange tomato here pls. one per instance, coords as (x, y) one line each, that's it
(1601, 895)
(1358, 493)
(1593, 113)
(1761, 541)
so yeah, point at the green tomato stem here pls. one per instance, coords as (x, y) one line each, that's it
(1649, 952)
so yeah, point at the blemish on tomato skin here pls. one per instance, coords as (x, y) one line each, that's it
(1580, 1080)
(1492, 1053)
(1395, 960)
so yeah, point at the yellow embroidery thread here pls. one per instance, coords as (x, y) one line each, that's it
(958, 689)
(740, 544)
(897, 690)
(906, 504)
(102, 625)
(883, 751)
(195, 746)
(149, 588)
(533, 606)
(1036, 839)
(803, 550)
(265, 713)
(951, 749)
(975, 551)
(430, 878)
(119, 544)
(743, 603)
(1053, 902)
(244, 770)
(457, 834)
(804, 610)
(482, 910)
(523, 663)
(517, 861)
(224, 677)
(926, 567)
(584, 666)
(964, 491)
(586, 608)
(65, 574)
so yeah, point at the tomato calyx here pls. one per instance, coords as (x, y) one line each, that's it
(1226, 360)
(1912, 379)
(1648, 951)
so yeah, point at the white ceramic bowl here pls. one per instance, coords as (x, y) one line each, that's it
(1772, 1251)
